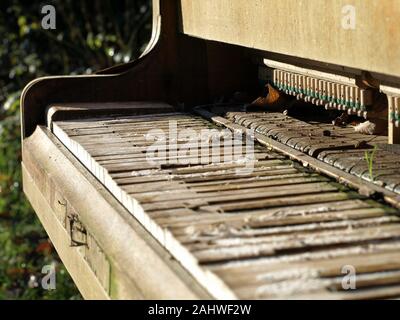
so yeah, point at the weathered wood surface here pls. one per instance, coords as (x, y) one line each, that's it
(343, 147)
(312, 29)
(277, 231)
(128, 264)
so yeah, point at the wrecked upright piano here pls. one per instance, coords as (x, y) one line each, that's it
(210, 166)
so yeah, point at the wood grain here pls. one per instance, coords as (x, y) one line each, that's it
(278, 231)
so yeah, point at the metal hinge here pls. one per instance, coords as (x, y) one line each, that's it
(77, 231)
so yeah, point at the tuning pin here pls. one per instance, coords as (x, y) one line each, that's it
(280, 80)
(275, 77)
(341, 97)
(356, 100)
(307, 88)
(314, 100)
(293, 85)
(287, 82)
(328, 104)
(328, 91)
(315, 91)
(335, 95)
(301, 84)
(346, 97)
(323, 92)
(297, 86)
(314, 85)
(351, 100)
(363, 99)
(277, 84)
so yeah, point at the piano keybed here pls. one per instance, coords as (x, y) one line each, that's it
(277, 231)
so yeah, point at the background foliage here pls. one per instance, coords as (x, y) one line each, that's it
(89, 35)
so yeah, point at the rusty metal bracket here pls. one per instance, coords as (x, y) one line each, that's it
(77, 231)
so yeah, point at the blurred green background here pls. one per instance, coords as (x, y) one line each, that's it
(89, 36)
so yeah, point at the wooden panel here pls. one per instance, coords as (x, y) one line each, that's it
(83, 276)
(310, 29)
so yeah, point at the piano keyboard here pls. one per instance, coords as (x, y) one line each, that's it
(275, 231)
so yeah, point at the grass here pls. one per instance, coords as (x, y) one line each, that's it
(369, 157)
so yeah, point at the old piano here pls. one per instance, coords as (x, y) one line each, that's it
(315, 217)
